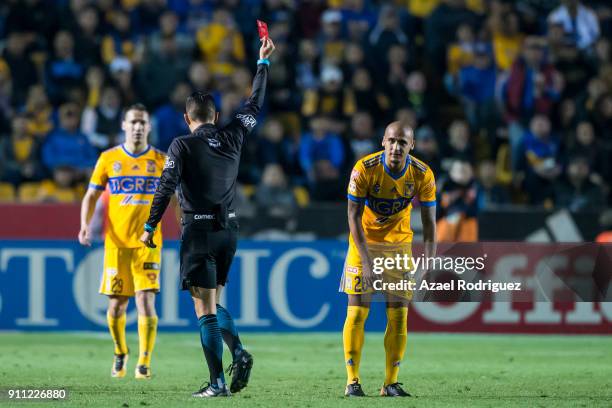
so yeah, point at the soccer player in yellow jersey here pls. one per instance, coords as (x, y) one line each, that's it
(131, 172)
(381, 189)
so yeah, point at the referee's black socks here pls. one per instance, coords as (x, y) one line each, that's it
(212, 344)
(228, 330)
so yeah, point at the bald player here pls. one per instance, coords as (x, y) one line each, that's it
(380, 193)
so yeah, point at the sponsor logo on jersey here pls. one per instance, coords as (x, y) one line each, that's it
(117, 166)
(387, 206)
(247, 121)
(133, 184)
(150, 166)
(135, 167)
(376, 188)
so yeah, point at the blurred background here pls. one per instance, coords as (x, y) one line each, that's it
(511, 102)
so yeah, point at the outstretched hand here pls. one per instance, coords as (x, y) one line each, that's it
(267, 48)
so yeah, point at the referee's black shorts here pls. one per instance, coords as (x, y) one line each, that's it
(206, 253)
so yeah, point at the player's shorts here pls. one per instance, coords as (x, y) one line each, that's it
(351, 282)
(206, 253)
(129, 270)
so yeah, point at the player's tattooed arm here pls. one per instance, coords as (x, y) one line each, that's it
(428, 218)
(355, 212)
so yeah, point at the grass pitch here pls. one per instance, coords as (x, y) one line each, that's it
(306, 370)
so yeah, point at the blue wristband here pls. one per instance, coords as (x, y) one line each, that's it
(149, 228)
(263, 61)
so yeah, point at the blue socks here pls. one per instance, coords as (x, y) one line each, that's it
(212, 344)
(228, 330)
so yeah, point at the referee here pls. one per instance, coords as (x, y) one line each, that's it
(203, 166)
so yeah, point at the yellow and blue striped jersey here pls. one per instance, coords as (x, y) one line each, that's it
(131, 180)
(388, 196)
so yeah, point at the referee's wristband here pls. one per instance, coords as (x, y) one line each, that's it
(263, 61)
(149, 228)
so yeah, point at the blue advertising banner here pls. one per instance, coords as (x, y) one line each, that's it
(274, 286)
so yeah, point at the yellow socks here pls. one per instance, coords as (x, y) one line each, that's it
(395, 341)
(147, 331)
(116, 326)
(353, 336)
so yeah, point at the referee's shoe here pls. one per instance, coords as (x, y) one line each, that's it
(210, 391)
(240, 370)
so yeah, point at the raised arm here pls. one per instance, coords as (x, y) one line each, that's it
(246, 118)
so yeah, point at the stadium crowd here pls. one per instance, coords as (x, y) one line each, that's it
(511, 101)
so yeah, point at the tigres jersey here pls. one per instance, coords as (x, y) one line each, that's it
(388, 196)
(132, 181)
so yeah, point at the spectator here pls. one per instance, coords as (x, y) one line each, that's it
(386, 33)
(307, 70)
(602, 117)
(461, 53)
(458, 146)
(22, 71)
(169, 122)
(220, 42)
(397, 70)
(122, 75)
(38, 112)
(368, 98)
(440, 28)
(414, 95)
(576, 192)
(507, 41)
(539, 161)
(270, 148)
(533, 87)
(146, 15)
(120, 41)
(66, 145)
(102, 124)
(477, 83)
(20, 152)
(63, 72)
(200, 77)
(362, 137)
(331, 98)
(160, 72)
(579, 22)
(587, 145)
(87, 37)
(61, 189)
(168, 27)
(426, 148)
(330, 40)
(358, 18)
(490, 192)
(458, 205)
(273, 194)
(320, 144)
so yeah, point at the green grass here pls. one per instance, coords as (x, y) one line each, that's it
(306, 370)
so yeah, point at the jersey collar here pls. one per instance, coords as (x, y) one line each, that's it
(135, 155)
(395, 176)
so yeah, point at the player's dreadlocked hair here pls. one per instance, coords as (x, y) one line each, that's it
(200, 107)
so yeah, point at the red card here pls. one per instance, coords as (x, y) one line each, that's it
(262, 27)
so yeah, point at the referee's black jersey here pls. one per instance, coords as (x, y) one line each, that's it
(203, 166)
